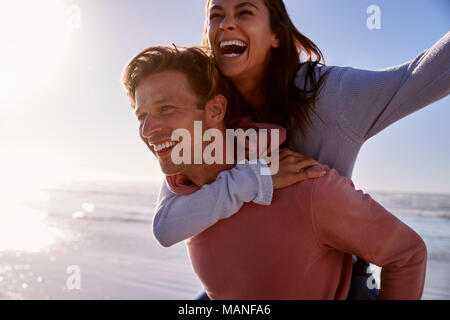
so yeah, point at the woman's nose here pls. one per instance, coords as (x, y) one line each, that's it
(228, 23)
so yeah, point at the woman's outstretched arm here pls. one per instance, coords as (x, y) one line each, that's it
(365, 102)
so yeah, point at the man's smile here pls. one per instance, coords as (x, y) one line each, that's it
(164, 147)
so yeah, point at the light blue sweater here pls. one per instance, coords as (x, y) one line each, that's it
(353, 106)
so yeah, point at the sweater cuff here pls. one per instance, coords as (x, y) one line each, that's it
(265, 191)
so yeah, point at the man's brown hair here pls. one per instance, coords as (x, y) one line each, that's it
(203, 76)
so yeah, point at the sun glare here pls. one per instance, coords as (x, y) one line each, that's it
(24, 229)
(35, 47)
(34, 43)
(24, 178)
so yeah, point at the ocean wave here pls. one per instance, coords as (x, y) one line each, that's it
(116, 219)
(423, 213)
(424, 205)
(439, 255)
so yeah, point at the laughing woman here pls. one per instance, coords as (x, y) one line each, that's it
(329, 111)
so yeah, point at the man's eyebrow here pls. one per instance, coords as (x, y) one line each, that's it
(240, 5)
(156, 103)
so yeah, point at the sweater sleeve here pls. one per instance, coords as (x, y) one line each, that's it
(366, 102)
(350, 221)
(179, 217)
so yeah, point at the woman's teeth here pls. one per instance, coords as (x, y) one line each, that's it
(230, 55)
(164, 146)
(238, 43)
(232, 48)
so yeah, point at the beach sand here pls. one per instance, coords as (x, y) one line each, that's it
(124, 263)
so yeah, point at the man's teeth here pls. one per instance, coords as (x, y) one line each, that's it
(238, 43)
(164, 146)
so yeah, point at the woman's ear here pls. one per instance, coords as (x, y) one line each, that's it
(275, 41)
(215, 110)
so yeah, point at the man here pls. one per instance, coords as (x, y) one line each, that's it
(299, 247)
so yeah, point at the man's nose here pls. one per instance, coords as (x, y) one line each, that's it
(228, 23)
(150, 127)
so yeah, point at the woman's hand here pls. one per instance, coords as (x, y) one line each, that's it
(295, 167)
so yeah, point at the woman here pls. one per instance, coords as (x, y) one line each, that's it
(329, 111)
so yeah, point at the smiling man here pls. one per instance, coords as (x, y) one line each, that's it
(299, 247)
(172, 91)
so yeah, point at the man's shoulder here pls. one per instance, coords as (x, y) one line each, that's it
(331, 184)
(326, 188)
(335, 192)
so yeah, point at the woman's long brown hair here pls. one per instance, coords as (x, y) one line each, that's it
(284, 102)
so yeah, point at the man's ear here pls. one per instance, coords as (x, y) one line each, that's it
(215, 110)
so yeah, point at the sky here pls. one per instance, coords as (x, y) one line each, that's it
(64, 114)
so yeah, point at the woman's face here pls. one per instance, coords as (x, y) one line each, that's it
(240, 36)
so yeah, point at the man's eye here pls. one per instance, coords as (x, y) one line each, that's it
(141, 117)
(166, 108)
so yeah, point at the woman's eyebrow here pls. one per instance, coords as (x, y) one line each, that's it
(215, 7)
(240, 5)
(245, 4)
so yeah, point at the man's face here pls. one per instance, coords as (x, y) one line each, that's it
(164, 103)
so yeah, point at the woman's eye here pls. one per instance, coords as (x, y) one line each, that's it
(213, 16)
(246, 12)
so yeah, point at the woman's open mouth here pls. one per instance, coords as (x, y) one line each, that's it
(232, 48)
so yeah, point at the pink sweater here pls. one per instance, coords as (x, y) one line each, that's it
(301, 246)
